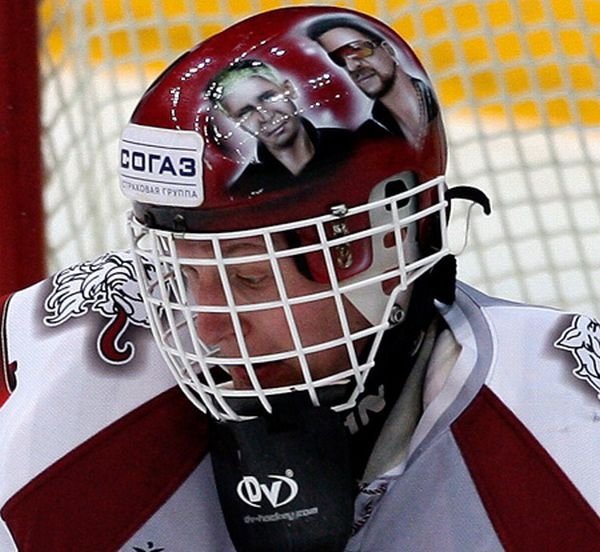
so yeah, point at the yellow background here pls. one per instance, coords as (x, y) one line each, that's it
(516, 51)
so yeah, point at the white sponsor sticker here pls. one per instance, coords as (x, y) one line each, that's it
(161, 166)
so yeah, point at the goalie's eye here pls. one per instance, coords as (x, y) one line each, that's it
(251, 279)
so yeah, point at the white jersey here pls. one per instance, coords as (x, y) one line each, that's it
(100, 451)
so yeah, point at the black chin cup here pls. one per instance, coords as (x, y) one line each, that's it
(284, 480)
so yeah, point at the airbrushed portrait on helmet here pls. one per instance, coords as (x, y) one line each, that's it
(266, 105)
(286, 129)
(403, 99)
(280, 113)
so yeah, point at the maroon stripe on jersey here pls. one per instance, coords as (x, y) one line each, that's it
(99, 495)
(529, 499)
(7, 381)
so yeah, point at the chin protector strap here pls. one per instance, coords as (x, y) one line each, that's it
(284, 480)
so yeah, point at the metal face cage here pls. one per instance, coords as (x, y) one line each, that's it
(206, 292)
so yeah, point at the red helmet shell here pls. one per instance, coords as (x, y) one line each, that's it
(352, 137)
(325, 96)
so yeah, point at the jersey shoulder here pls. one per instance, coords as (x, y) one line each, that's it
(89, 409)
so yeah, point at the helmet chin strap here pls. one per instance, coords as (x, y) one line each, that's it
(284, 480)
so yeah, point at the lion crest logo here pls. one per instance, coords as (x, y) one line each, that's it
(582, 340)
(108, 286)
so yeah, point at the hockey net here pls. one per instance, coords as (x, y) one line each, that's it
(518, 81)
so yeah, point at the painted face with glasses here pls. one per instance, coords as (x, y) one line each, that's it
(369, 62)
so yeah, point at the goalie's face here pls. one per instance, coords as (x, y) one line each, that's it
(270, 336)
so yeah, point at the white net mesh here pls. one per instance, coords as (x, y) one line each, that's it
(517, 79)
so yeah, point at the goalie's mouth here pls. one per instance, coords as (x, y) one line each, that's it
(268, 375)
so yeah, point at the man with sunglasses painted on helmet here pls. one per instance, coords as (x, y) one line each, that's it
(403, 104)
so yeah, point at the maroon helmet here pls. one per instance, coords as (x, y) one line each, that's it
(315, 131)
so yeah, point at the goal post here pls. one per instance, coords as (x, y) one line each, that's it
(518, 82)
(22, 244)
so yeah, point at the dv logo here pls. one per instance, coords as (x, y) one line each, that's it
(281, 490)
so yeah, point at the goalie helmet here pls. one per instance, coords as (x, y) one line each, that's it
(287, 180)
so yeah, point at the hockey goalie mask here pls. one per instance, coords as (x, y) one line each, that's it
(287, 186)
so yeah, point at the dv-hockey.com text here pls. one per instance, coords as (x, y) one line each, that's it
(289, 516)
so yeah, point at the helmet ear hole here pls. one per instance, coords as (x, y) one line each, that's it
(390, 284)
(389, 240)
(395, 187)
